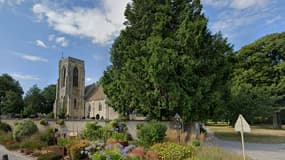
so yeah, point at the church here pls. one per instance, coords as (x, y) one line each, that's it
(74, 99)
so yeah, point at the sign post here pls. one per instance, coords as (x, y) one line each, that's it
(242, 126)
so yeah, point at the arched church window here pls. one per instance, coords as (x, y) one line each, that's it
(75, 77)
(74, 103)
(100, 106)
(63, 76)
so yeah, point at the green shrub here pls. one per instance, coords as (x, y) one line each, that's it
(50, 115)
(5, 127)
(16, 123)
(108, 154)
(151, 133)
(33, 143)
(60, 122)
(24, 128)
(43, 122)
(50, 156)
(172, 151)
(91, 131)
(195, 143)
(119, 136)
(48, 137)
(105, 133)
(66, 142)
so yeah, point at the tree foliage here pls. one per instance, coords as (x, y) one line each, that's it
(259, 76)
(10, 95)
(167, 61)
(49, 94)
(34, 101)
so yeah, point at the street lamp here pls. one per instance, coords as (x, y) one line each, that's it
(178, 125)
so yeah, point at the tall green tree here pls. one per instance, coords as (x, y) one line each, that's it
(34, 101)
(261, 66)
(49, 94)
(167, 61)
(11, 92)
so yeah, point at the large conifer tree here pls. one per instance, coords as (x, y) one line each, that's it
(167, 61)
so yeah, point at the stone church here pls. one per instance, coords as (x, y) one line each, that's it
(74, 99)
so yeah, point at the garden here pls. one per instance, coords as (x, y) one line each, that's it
(109, 142)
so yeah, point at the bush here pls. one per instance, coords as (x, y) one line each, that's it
(43, 122)
(76, 148)
(91, 131)
(24, 128)
(195, 143)
(108, 154)
(50, 115)
(5, 127)
(171, 151)
(33, 143)
(119, 136)
(65, 142)
(151, 133)
(60, 122)
(48, 137)
(50, 156)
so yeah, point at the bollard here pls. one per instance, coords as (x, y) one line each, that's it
(5, 157)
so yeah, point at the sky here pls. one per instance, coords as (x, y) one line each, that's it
(35, 34)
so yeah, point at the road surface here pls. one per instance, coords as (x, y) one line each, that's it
(256, 151)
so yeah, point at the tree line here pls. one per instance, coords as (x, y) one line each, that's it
(36, 100)
(167, 61)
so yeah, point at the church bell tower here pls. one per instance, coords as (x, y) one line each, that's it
(70, 89)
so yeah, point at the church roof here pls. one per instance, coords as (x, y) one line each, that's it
(88, 90)
(96, 93)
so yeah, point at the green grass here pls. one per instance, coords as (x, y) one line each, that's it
(259, 134)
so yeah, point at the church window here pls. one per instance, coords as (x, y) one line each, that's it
(63, 77)
(75, 103)
(100, 106)
(75, 77)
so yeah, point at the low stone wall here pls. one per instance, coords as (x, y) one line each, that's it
(78, 125)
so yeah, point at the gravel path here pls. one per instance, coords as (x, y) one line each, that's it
(12, 155)
(256, 151)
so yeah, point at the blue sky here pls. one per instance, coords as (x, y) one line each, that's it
(35, 33)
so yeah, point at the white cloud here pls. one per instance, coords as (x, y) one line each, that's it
(62, 41)
(89, 79)
(271, 20)
(24, 76)
(236, 4)
(216, 3)
(51, 37)
(101, 25)
(243, 4)
(33, 58)
(41, 43)
(11, 2)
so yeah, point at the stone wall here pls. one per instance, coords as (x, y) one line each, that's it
(78, 125)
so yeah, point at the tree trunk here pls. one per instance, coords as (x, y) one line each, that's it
(276, 120)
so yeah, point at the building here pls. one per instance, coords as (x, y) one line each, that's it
(96, 105)
(70, 88)
(73, 99)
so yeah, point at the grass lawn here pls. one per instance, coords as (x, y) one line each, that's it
(259, 134)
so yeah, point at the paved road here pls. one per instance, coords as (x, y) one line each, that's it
(12, 155)
(256, 151)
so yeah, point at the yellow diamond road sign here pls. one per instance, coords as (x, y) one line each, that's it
(241, 125)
